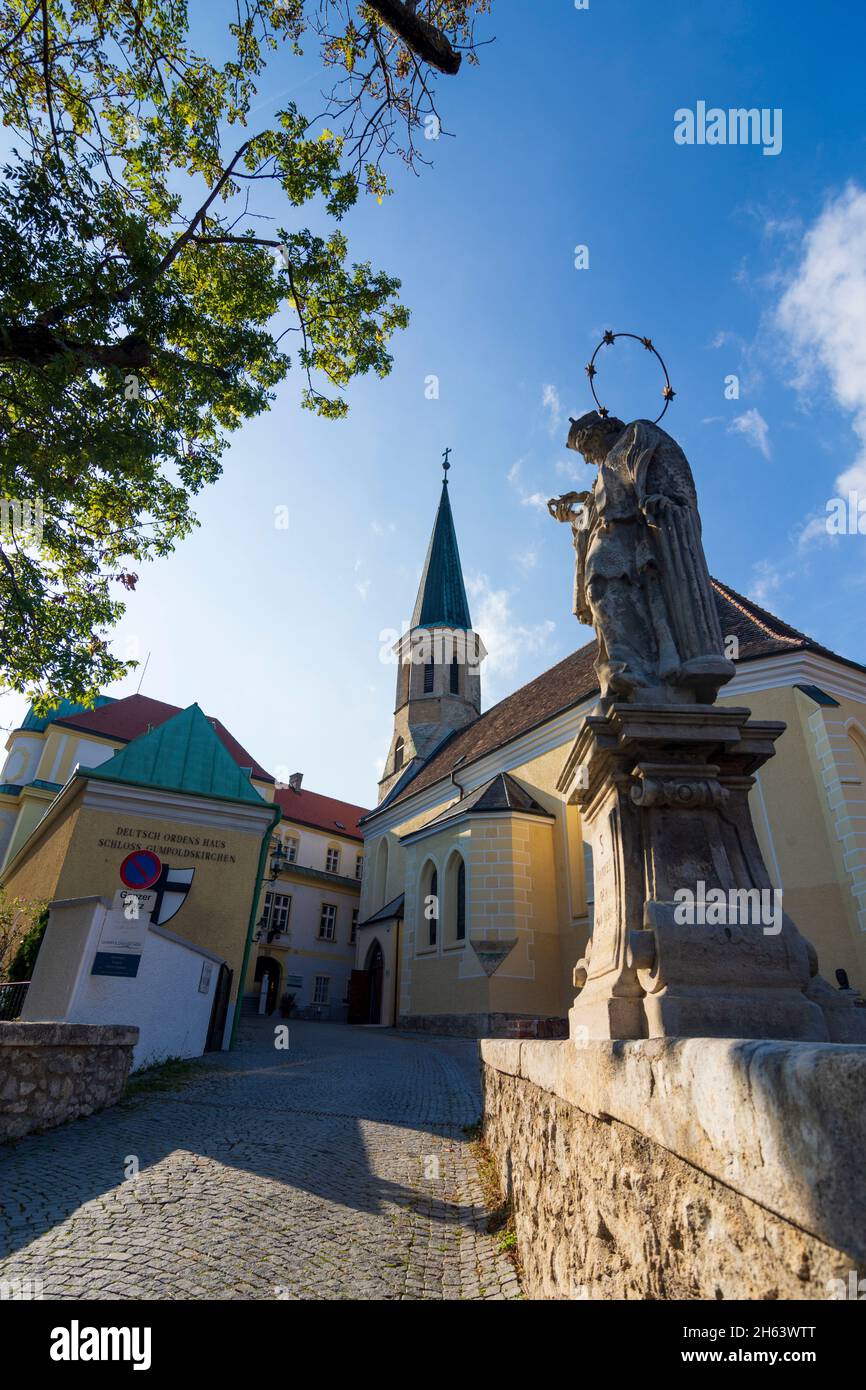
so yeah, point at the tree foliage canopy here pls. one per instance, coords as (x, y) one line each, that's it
(143, 314)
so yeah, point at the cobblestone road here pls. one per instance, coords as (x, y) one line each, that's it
(338, 1169)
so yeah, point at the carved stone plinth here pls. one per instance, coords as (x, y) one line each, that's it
(663, 792)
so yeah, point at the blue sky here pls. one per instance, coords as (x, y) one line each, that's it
(733, 261)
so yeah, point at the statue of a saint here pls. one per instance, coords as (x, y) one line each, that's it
(641, 578)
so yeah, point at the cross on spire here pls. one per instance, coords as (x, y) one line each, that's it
(445, 466)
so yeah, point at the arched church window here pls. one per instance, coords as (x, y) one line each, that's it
(858, 738)
(461, 902)
(455, 676)
(380, 873)
(428, 907)
(399, 751)
(454, 901)
(434, 906)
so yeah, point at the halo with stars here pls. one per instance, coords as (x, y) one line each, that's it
(608, 341)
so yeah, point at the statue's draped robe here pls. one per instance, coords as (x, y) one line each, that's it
(658, 559)
(659, 467)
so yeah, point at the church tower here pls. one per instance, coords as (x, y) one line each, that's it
(438, 659)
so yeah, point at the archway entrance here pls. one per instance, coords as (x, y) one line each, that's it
(375, 967)
(268, 968)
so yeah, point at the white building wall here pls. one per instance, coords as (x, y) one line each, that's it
(169, 1000)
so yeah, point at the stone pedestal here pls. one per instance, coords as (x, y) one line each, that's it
(663, 792)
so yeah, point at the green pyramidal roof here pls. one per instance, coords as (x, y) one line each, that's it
(442, 596)
(183, 755)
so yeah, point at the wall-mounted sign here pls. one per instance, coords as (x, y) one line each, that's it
(171, 888)
(119, 948)
(140, 869)
(294, 981)
(134, 904)
(204, 982)
(107, 963)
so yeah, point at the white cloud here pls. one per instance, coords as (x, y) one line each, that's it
(766, 581)
(754, 429)
(383, 528)
(552, 404)
(507, 641)
(823, 314)
(534, 499)
(814, 531)
(528, 560)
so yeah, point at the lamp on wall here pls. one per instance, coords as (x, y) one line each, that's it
(279, 860)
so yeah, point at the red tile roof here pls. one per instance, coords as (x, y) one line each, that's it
(573, 680)
(123, 720)
(321, 812)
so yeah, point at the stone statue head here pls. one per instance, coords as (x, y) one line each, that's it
(593, 435)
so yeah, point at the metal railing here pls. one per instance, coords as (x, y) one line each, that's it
(12, 1000)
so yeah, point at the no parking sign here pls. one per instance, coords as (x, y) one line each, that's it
(140, 869)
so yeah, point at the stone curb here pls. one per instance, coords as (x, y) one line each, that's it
(783, 1123)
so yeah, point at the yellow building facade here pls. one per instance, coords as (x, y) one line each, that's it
(309, 906)
(142, 778)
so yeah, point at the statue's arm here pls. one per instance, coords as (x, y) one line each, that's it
(564, 508)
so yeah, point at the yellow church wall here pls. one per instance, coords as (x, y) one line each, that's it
(797, 828)
(32, 806)
(446, 979)
(23, 751)
(510, 894)
(561, 876)
(832, 737)
(36, 874)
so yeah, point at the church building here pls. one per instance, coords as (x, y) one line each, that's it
(477, 897)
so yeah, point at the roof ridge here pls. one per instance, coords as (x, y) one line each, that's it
(750, 610)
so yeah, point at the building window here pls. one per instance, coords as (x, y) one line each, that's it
(455, 676)
(332, 861)
(353, 934)
(277, 909)
(321, 989)
(429, 670)
(328, 922)
(431, 907)
(290, 845)
(453, 913)
(399, 750)
(359, 865)
(380, 873)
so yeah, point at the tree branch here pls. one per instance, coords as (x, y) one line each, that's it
(424, 39)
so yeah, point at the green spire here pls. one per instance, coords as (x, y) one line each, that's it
(185, 755)
(441, 600)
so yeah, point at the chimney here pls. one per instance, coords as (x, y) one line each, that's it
(295, 781)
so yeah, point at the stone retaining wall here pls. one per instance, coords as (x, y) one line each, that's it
(53, 1072)
(681, 1169)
